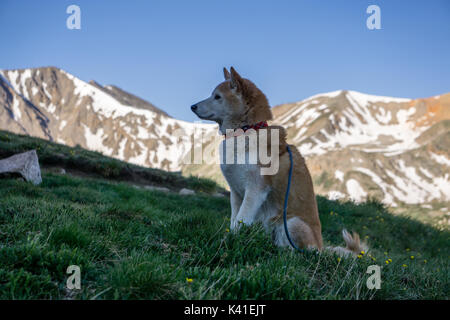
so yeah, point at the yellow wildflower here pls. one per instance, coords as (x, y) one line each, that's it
(189, 280)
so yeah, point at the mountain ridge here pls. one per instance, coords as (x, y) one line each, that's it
(356, 145)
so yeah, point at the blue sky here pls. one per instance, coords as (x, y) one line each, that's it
(171, 53)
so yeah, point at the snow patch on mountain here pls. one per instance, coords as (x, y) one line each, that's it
(355, 190)
(335, 195)
(440, 159)
(339, 175)
(94, 141)
(15, 109)
(364, 99)
(331, 94)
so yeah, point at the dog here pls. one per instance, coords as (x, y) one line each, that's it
(237, 105)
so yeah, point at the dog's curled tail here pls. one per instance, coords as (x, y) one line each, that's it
(354, 246)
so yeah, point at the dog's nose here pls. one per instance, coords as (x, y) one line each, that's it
(194, 107)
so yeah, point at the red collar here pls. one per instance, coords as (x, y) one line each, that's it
(256, 127)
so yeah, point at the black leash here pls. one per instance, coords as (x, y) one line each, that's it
(286, 203)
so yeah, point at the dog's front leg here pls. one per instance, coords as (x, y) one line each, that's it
(252, 202)
(235, 201)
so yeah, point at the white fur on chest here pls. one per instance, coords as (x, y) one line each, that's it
(241, 177)
(249, 193)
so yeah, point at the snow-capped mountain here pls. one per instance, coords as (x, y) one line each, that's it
(359, 145)
(356, 145)
(53, 104)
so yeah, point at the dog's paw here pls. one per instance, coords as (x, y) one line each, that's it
(236, 224)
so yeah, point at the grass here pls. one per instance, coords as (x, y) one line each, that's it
(84, 162)
(137, 244)
(134, 243)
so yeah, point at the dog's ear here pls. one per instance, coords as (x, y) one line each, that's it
(226, 74)
(236, 80)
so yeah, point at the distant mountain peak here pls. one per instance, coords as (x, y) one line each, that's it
(53, 104)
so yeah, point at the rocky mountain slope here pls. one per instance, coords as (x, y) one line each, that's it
(356, 145)
(53, 104)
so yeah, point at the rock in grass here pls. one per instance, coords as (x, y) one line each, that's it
(163, 189)
(185, 192)
(218, 195)
(27, 164)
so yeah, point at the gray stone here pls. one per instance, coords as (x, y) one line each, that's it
(218, 195)
(185, 192)
(163, 189)
(27, 164)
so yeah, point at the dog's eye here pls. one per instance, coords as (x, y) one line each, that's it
(217, 97)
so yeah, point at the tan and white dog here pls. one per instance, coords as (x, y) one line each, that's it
(237, 103)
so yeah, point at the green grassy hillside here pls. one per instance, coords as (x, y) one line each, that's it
(82, 162)
(132, 243)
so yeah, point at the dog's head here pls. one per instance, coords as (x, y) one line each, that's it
(234, 103)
